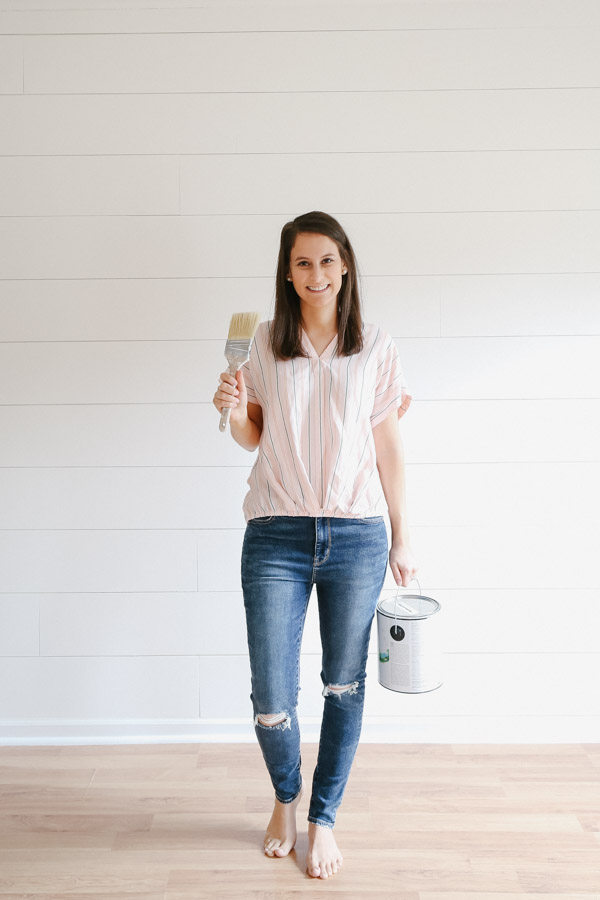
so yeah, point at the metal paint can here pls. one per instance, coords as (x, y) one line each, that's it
(409, 640)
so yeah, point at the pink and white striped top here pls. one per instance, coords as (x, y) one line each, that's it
(316, 455)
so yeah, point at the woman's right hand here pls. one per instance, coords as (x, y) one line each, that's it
(232, 393)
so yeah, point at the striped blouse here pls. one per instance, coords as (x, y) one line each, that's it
(316, 455)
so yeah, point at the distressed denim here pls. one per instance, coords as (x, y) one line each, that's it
(282, 557)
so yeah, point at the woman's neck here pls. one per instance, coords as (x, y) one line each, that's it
(320, 321)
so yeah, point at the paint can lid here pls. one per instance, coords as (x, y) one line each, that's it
(408, 606)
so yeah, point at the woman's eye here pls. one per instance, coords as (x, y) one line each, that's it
(305, 261)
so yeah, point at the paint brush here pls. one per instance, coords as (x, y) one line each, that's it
(242, 329)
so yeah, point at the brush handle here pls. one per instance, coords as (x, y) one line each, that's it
(224, 418)
(232, 368)
(237, 352)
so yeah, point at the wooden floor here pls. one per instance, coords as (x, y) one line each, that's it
(182, 821)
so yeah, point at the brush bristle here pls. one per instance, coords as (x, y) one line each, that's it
(243, 326)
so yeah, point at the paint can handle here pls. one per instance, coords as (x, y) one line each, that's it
(398, 601)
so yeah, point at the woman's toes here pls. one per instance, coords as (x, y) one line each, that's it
(314, 871)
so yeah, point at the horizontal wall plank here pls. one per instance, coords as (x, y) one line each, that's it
(11, 65)
(167, 687)
(519, 304)
(180, 434)
(176, 497)
(88, 16)
(190, 246)
(201, 308)
(156, 624)
(123, 434)
(145, 308)
(229, 184)
(543, 119)
(452, 558)
(170, 497)
(475, 684)
(389, 182)
(94, 687)
(188, 371)
(423, 60)
(134, 624)
(87, 560)
(537, 431)
(213, 623)
(110, 372)
(89, 185)
(20, 617)
(532, 556)
(539, 620)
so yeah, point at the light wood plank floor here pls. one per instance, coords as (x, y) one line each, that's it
(183, 821)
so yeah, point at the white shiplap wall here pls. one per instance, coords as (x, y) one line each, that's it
(149, 156)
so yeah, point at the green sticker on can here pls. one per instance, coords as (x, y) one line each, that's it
(384, 656)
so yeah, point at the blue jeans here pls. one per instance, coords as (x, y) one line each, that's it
(282, 557)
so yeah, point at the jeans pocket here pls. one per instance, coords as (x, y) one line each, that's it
(260, 520)
(370, 520)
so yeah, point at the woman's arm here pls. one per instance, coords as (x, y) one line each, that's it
(389, 450)
(248, 432)
(245, 418)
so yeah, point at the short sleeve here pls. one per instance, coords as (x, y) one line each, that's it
(252, 369)
(249, 382)
(391, 390)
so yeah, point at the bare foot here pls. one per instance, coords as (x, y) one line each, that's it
(323, 858)
(280, 836)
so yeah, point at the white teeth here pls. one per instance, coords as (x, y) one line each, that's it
(318, 289)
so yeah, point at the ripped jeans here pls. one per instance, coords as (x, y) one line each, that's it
(282, 557)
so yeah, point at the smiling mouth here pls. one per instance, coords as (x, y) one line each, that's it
(318, 290)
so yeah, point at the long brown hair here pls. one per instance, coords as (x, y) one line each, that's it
(286, 340)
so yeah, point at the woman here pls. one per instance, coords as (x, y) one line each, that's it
(320, 397)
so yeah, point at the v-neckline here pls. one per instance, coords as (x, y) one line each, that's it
(309, 346)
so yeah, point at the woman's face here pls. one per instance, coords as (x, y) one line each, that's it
(316, 269)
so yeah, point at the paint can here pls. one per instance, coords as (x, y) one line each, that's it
(409, 641)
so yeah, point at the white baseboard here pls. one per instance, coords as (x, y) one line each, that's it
(384, 730)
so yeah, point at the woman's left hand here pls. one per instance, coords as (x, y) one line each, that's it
(403, 563)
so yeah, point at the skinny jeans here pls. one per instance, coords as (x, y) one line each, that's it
(282, 557)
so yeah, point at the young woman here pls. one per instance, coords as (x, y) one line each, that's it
(320, 397)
